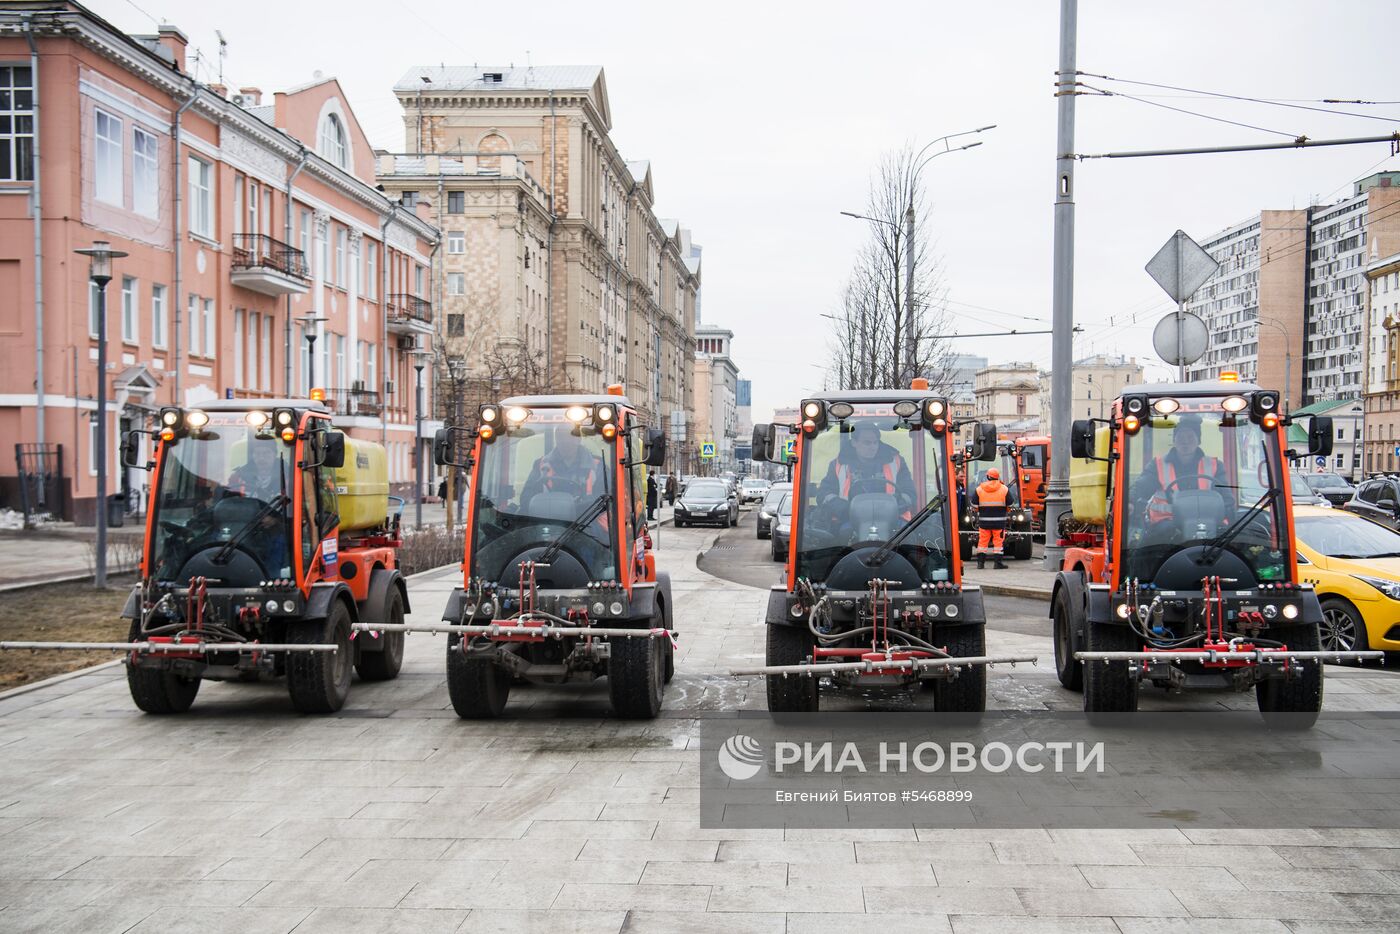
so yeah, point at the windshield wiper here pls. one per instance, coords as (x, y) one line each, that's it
(1218, 543)
(882, 554)
(226, 552)
(588, 515)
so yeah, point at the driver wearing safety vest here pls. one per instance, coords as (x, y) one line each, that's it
(567, 468)
(869, 465)
(991, 498)
(1184, 467)
(261, 477)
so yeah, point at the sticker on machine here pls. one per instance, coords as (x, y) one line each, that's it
(329, 552)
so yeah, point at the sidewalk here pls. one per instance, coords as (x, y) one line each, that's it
(62, 551)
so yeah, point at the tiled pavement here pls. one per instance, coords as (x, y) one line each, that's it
(397, 816)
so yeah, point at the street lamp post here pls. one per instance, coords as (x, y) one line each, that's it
(419, 360)
(100, 256)
(310, 321)
(457, 369)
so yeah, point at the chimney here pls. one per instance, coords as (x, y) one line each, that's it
(220, 89)
(173, 41)
(252, 97)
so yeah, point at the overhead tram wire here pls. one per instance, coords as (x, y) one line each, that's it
(1181, 110)
(1274, 102)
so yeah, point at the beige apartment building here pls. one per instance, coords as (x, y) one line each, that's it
(1096, 382)
(1008, 394)
(1382, 401)
(556, 272)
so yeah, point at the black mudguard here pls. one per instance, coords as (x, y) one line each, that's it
(318, 602)
(132, 609)
(452, 612)
(382, 583)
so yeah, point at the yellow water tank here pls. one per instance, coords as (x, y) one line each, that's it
(1088, 482)
(362, 485)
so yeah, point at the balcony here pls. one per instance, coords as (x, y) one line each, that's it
(355, 402)
(270, 267)
(409, 314)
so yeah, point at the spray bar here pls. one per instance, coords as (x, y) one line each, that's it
(548, 630)
(179, 647)
(909, 664)
(1261, 656)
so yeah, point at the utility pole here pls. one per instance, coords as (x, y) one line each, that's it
(910, 332)
(1062, 318)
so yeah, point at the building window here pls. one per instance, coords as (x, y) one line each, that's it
(107, 177)
(253, 225)
(456, 202)
(342, 243)
(192, 322)
(456, 241)
(145, 173)
(306, 234)
(418, 281)
(16, 124)
(333, 141)
(409, 199)
(456, 283)
(129, 322)
(371, 269)
(158, 316)
(211, 336)
(238, 347)
(456, 326)
(201, 198)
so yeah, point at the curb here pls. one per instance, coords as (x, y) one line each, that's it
(56, 679)
(1007, 590)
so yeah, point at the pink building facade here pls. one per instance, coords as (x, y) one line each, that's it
(252, 227)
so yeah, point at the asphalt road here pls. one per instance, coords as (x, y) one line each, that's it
(739, 555)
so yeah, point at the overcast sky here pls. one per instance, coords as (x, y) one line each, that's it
(763, 120)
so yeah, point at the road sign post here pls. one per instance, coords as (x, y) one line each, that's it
(1181, 267)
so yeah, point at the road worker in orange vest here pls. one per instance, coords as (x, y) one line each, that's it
(869, 465)
(1184, 467)
(567, 468)
(992, 499)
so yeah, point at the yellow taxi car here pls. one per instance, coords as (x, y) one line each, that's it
(1355, 565)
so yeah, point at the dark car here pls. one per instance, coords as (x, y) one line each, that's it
(1332, 487)
(707, 500)
(769, 508)
(1303, 493)
(782, 528)
(1378, 499)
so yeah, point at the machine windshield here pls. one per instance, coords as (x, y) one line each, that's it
(226, 482)
(535, 480)
(1204, 477)
(863, 478)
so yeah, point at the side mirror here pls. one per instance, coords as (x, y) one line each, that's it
(333, 450)
(984, 442)
(1320, 436)
(1081, 438)
(132, 448)
(655, 448)
(443, 448)
(763, 438)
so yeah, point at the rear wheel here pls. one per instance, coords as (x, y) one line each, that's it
(788, 645)
(636, 676)
(1293, 703)
(384, 664)
(478, 687)
(1069, 669)
(1109, 687)
(1021, 551)
(967, 692)
(319, 682)
(965, 547)
(158, 690)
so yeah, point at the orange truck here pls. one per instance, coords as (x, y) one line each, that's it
(268, 537)
(1188, 578)
(559, 582)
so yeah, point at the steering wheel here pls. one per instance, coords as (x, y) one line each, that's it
(1175, 484)
(236, 509)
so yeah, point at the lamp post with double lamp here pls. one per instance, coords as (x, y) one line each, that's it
(100, 256)
(309, 322)
(457, 370)
(420, 359)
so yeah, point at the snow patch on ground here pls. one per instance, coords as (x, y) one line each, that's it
(10, 519)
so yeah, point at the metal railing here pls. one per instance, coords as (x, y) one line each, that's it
(404, 307)
(356, 402)
(259, 251)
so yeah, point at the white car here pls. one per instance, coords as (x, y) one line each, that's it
(753, 489)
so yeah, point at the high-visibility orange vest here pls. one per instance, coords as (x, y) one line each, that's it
(844, 476)
(1159, 507)
(991, 504)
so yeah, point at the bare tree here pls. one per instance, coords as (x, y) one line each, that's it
(871, 327)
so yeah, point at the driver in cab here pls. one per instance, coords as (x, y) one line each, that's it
(566, 468)
(868, 465)
(1184, 467)
(260, 477)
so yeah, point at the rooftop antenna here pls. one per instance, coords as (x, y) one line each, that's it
(223, 53)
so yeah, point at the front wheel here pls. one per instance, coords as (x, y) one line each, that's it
(1068, 669)
(1343, 629)
(1109, 687)
(636, 676)
(967, 691)
(158, 690)
(319, 682)
(788, 645)
(1293, 703)
(384, 665)
(477, 687)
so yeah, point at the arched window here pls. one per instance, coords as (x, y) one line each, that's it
(333, 145)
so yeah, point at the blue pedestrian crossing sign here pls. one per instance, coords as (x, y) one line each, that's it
(791, 449)
(707, 451)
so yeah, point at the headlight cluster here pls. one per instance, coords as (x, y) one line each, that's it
(1388, 587)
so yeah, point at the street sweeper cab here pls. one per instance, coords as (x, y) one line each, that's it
(873, 598)
(559, 582)
(1184, 572)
